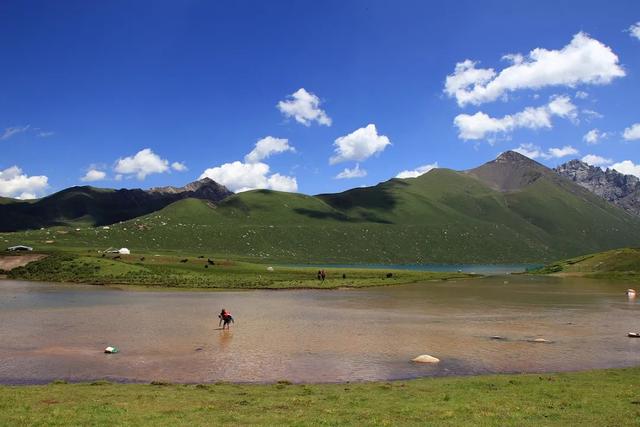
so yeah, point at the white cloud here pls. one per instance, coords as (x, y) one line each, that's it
(565, 151)
(93, 175)
(14, 183)
(535, 152)
(530, 150)
(118, 177)
(179, 166)
(594, 136)
(591, 114)
(9, 132)
(632, 133)
(352, 173)
(627, 167)
(304, 107)
(266, 147)
(634, 30)
(583, 61)
(581, 95)
(144, 162)
(596, 160)
(481, 125)
(238, 177)
(359, 145)
(420, 170)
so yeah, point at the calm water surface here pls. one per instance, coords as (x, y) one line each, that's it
(55, 331)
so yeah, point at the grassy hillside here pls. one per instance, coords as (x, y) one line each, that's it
(615, 264)
(595, 398)
(90, 206)
(444, 216)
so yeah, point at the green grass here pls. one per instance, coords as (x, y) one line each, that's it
(595, 398)
(170, 271)
(617, 264)
(441, 217)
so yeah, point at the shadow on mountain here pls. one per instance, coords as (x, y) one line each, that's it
(337, 216)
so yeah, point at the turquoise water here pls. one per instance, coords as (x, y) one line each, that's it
(488, 269)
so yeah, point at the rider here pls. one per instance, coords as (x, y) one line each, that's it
(225, 317)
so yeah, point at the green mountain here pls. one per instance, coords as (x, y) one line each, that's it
(96, 206)
(509, 210)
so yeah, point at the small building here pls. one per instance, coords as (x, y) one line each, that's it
(20, 248)
(124, 251)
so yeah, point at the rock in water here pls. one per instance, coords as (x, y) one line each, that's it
(425, 358)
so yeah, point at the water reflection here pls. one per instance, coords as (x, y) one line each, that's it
(59, 331)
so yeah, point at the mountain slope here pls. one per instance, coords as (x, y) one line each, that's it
(509, 210)
(619, 189)
(94, 206)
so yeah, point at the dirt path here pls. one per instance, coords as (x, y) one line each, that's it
(9, 262)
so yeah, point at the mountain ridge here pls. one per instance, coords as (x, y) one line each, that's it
(620, 189)
(443, 216)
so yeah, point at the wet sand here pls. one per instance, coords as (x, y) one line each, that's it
(55, 331)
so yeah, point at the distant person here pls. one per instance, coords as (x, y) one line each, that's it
(226, 319)
(323, 275)
(319, 275)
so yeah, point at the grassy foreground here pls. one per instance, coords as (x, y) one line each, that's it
(607, 397)
(204, 273)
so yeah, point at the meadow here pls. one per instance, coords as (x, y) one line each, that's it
(603, 398)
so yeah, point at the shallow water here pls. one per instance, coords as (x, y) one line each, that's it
(55, 331)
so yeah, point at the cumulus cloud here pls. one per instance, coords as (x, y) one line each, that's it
(144, 162)
(93, 175)
(15, 183)
(304, 107)
(535, 152)
(632, 133)
(266, 147)
(352, 173)
(634, 30)
(239, 177)
(420, 170)
(627, 167)
(179, 166)
(480, 125)
(594, 136)
(565, 151)
(583, 61)
(596, 160)
(359, 145)
(11, 131)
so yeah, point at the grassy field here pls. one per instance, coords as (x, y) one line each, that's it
(195, 272)
(596, 398)
(618, 264)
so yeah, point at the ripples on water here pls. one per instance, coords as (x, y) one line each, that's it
(51, 331)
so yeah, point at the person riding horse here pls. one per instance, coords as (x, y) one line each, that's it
(225, 319)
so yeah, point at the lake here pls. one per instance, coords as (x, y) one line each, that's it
(58, 331)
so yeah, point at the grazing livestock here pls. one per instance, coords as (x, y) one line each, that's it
(184, 260)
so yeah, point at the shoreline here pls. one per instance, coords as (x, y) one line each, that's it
(456, 376)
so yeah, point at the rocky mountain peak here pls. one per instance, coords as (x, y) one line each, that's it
(619, 189)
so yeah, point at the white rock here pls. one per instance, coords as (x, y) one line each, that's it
(425, 358)
(539, 340)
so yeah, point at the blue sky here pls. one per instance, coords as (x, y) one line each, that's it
(159, 93)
